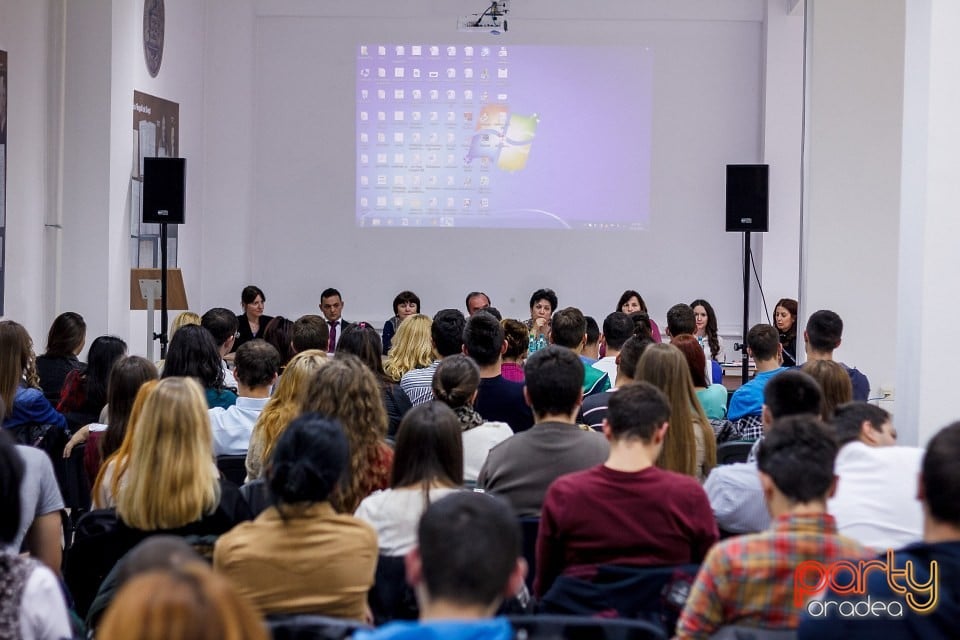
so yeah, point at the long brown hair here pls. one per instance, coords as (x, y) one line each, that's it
(18, 363)
(834, 382)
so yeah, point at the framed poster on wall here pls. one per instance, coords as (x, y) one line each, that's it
(156, 134)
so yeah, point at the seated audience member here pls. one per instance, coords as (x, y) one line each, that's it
(689, 446)
(632, 302)
(346, 390)
(65, 341)
(412, 347)
(167, 483)
(251, 322)
(763, 345)
(498, 399)
(822, 336)
(625, 511)
(446, 336)
(193, 353)
(405, 304)
(223, 326)
(32, 604)
(681, 321)
(427, 465)
(641, 326)
(712, 397)
(310, 332)
(522, 467)
(84, 392)
(256, 363)
(543, 303)
(189, 602)
(279, 334)
(875, 502)
(749, 580)
(301, 556)
(282, 407)
(24, 403)
(569, 329)
(785, 319)
(834, 384)
(591, 348)
(475, 301)
(518, 345)
(361, 340)
(455, 384)
(937, 594)
(617, 327)
(38, 530)
(734, 489)
(594, 409)
(331, 305)
(468, 560)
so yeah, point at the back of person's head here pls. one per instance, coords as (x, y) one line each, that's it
(554, 381)
(156, 552)
(763, 341)
(103, 354)
(456, 381)
(288, 396)
(405, 297)
(256, 363)
(792, 393)
(279, 333)
(308, 460)
(221, 323)
(170, 478)
(189, 602)
(940, 476)
(194, 353)
(126, 377)
(363, 341)
(483, 338)
(11, 476)
(847, 421)
(412, 347)
(696, 359)
(641, 325)
(67, 335)
(593, 330)
(429, 448)
(469, 545)
(446, 331)
(824, 330)
(494, 312)
(617, 327)
(517, 337)
(18, 362)
(630, 353)
(183, 319)
(310, 332)
(834, 384)
(798, 456)
(680, 320)
(636, 411)
(568, 328)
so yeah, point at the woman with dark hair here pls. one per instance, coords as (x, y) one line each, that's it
(543, 303)
(251, 323)
(301, 556)
(193, 353)
(706, 335)
(631, 302)
(518, 345)
(361, 340)
(785, 319)
(427, 465)
(279, 333)
(23, 402)
(65, 341)
(85, 392)
(712, 397)
(455, 384)
(406, 304)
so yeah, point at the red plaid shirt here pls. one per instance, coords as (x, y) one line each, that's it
(748, 580)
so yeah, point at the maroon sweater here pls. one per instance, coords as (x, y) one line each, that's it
(602, 516)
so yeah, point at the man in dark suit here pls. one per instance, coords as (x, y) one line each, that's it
(331, 304)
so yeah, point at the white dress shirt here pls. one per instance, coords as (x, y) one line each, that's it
(232, 426)
(737, 498)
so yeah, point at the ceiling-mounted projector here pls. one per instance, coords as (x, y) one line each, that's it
(493, 20)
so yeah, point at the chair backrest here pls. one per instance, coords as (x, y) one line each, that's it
(716, 372)
(310, 627)
(552, 627)
(753, 633)
(390, 597)
(233, 468)
(734, 451)
(529, 528)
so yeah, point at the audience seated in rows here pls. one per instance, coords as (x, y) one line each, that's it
(446, 335)
(594, 408)
(256, 364)
(822, 336)
(498, 399)
(522, 467)
(625, 511)
(569, 329)
(455, 384)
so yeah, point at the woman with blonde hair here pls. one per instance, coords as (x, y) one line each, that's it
(347, 390)
(834, 382)
(284, 406)
(412, 347)
(690, 446)
(165, 482)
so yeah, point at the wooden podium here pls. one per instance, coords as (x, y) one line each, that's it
(145, 288)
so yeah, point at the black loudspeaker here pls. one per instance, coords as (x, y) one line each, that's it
(747, 197)
(164, 186)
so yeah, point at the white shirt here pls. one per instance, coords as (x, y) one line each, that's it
(232, 426)
(876, 500)
(737, 498)
(608, 364)
(395, 514)
(43, 612)
(477, 443)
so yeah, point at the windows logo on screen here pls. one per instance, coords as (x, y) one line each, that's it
(503, 138)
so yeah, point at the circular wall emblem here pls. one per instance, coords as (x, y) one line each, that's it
(153, 24)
